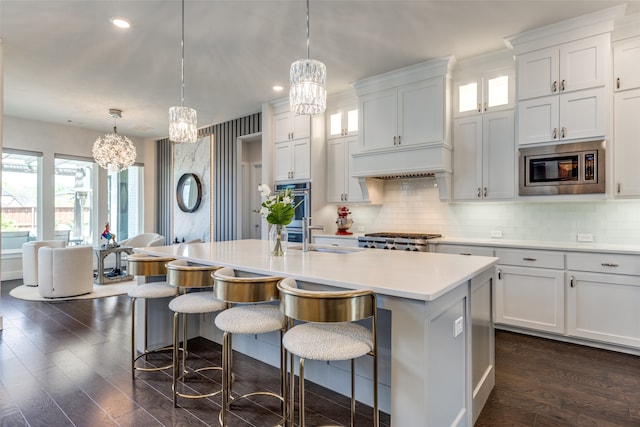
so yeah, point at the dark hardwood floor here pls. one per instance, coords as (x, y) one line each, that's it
(66, 363)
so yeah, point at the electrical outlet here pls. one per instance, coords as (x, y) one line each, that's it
(458, 327)
(496, 233)
(585, 237)
(360, 228)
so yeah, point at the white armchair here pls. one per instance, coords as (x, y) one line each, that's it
(144, 239)
(30, 259)
(65, 272)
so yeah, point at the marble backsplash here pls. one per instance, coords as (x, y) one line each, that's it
(413, 205)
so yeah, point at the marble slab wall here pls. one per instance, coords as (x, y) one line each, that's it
(196, 159)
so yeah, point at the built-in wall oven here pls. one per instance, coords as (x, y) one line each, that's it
(301, 192)
(576, 168)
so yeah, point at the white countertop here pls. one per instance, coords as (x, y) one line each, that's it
(414, 275)
(534, 244)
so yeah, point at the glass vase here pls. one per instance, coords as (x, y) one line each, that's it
(278, 239)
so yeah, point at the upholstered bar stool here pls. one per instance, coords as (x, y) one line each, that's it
(328, 334)
(142, 265)
(186, 275)
(248, 314)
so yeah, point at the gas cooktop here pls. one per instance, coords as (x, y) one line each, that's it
(415, 242)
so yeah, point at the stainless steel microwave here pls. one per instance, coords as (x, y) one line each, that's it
(576, 168)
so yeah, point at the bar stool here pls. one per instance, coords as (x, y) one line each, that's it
(185, 275)
(328, 334)
(147, 266)
(252, 316)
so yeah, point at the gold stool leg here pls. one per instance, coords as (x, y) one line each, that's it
(301, 393)
(133, 338)
(176, 360)
(353, 394)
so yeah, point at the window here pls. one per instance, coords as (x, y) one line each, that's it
(20, 197)
(75, 215)
(125, 202)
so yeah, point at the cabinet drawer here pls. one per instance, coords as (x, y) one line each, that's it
(531, 258)
(604, 263)
(336, 241)
(464, 250)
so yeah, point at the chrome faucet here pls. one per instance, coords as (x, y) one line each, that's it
(306, 232)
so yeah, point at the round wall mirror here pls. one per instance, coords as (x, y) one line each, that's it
(189, 192)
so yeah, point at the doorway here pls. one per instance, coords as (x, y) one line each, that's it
(249, 224)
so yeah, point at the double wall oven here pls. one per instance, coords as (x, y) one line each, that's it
(301, 192)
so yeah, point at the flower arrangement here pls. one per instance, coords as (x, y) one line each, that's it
(278, 209)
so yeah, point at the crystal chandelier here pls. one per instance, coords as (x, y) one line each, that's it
(183, 121)
(308, 91)
(112, 151)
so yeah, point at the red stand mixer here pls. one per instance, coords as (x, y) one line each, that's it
(343, 222)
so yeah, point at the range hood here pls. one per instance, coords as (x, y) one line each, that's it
(433, 160)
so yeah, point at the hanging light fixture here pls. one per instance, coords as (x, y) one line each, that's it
(112, 151)
(183, 121)
(308, 91)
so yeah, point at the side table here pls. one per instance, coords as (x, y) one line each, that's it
(115, 274)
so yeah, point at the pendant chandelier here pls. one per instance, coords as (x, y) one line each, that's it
(112, 151)
(308, 91)
(183, 121)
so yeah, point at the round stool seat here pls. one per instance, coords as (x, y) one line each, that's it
(250, 319)
(152, 290)
(326, 341)
(196, 302)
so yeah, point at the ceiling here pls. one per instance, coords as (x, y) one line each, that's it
(65, 63)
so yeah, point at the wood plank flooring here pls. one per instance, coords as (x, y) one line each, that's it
(66, 364)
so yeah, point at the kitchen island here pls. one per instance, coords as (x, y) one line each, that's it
(436, 343)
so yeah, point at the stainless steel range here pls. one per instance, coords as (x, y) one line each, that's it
(416, 242)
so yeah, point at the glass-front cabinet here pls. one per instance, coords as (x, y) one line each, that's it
(491, 91)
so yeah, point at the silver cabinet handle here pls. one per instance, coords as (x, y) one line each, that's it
(479, 107)
(618, 83)
(486, 106)
(399, 139)
(499, 274)
(465, 254)
(563, 132)
(619, 187)
(555, 133)
(562, 85)
(485, 192)
(478, 192)
(554, 86)
(609, 264)
(528, 259)
(395, 140)
(571, 281)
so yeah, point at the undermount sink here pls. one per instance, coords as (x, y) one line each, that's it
(328, 249)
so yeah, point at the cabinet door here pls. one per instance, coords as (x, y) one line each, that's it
(342, 121)
(282, 126)
(537, 73)
(626, 63)
(301, 153)
(467, 158)
(582, 63)
(467, 97)
(604, 307)
(498, 142)
(378, 119)
(335, 170)
(538, 120)
(530, 298)
(282, 161)
(582, 114)
(300, 126)
(353, 189)
(421, 112)
(626, 149)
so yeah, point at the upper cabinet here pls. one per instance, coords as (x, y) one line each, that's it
(490, 91)
(288, 126)
(577, 65)
(342, 120)
(626, 64)
(411, 114)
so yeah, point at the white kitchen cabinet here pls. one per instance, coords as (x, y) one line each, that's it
(626, 149)
(491, 91)
(604, 307)
(411, 114)
(292, 160)
(572, 66)
(484, 156)
(341, 186)
(574, 115)
(626, 63)
(289, 126)
(342, 121)
(448, 248)
(348, 241)
(531, 298)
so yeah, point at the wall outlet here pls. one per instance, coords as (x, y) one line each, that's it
(458, 327)
(360, 228)
(585, 237)
(496, 233)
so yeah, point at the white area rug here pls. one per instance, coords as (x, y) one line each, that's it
(30, 293)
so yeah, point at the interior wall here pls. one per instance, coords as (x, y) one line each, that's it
(412, 205)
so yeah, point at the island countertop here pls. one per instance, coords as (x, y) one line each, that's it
(414, 275)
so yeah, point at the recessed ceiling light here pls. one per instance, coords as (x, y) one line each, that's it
(277, 88)
(120, 22)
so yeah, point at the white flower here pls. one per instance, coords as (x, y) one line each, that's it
(287, 200)
(264, 211)
(264, 190)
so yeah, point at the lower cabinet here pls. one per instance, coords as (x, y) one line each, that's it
(530, 298)
(604, 307)
(348, 241)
